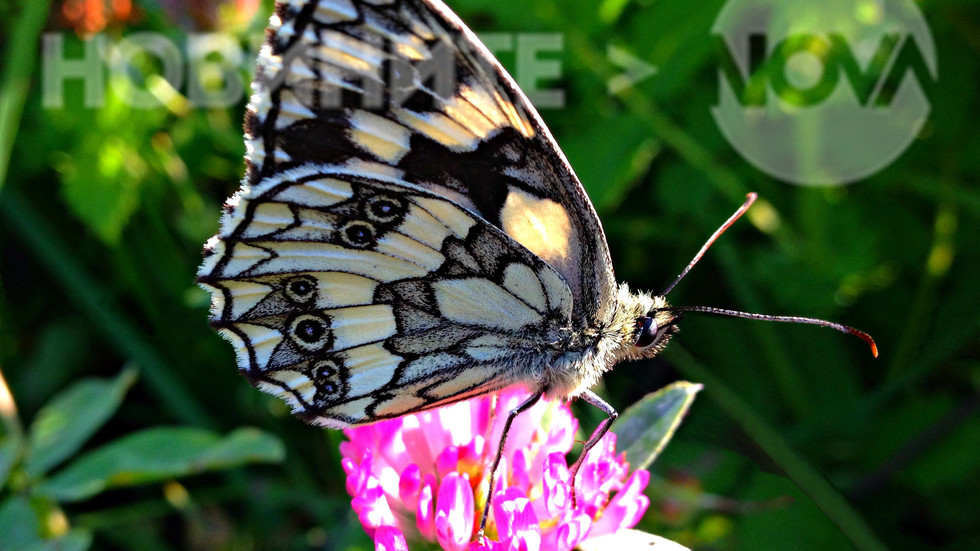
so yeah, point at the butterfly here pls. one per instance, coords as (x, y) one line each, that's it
(408, 234)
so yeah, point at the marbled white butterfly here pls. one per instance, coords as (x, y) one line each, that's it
(408, 233)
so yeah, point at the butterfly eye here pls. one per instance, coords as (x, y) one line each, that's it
(648, 332)
(301, 289)
(358, 234)
(384, 210)
(311, 332)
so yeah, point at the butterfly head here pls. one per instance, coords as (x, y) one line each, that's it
(645, 323)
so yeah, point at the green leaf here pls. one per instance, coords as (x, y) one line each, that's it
(645, 428)
(245, 445)
(159, 454)
(10, 450)
(630, 539)
(74, 540)
(71, 418)
(19, 529)
(18, 524)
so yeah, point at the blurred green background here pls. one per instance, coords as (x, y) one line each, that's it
(800, 440)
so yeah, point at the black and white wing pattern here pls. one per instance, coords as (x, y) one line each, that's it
(407, 85)
(408, 233)
(357, 298)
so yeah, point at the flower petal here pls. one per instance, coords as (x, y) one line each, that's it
(389, 538)
(516, 522)
(520, 473)
(416, 441)
(626, 508)
(556, 487)
(572, 529)
(425, 518)
(372, 507)
(455, 421)
(484, 543)
(397, 469)
(447, 461)
(358, 471)
(409, 485)
(454, 513)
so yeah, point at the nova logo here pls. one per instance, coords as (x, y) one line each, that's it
(822, 93)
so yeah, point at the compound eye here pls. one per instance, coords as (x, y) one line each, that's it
(648, 332)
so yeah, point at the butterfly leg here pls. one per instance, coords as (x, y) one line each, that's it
(525, 405)
(600, 431)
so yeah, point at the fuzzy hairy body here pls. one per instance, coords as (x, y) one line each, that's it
(578, 370)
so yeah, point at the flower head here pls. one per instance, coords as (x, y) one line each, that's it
(424, 477)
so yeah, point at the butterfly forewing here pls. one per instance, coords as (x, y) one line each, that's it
(403, 87)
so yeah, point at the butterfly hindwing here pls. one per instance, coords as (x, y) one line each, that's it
(358, 297)
(406, 86)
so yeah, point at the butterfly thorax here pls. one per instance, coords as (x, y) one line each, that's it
(580, 367)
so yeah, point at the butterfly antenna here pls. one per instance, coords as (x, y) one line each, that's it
(790, 319)
(749, 199)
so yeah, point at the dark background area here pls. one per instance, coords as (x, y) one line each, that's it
(800, 439)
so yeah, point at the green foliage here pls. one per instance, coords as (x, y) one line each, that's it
(19, 529)
(798, 436)
(155, 455)
(644, 429)
(31, 515)
(71, 418)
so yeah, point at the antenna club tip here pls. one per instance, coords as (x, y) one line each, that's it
(752, 195)
(866, 338)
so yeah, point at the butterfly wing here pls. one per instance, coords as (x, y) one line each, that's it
(357, 296)
(405, 84)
